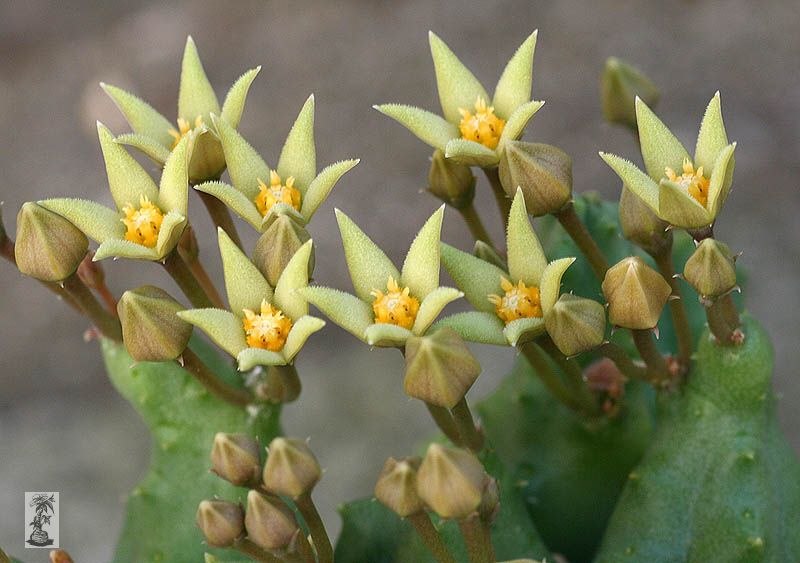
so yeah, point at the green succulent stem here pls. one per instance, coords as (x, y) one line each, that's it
(444, 420)
(677, 309)
(186, 280)
(583, 238)
(203, 374)
(478, 539)
(201, 275)
(221, 216)
(475, 224)
(247, 547)
(470, 435)
(657, 369)
(503, 202)
(106, 323)
(623, 362)
(544, 369)
(430, 537)
(322, 543)
(723, 321)
(572, 369)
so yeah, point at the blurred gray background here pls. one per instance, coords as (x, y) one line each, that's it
(62, 426)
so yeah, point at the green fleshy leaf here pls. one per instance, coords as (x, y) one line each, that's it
(196, 96)
(678, 208)
(475, 277)
(245, 285)
(637, 181)
(712, 137)
(170, 233)
(432, 306)
(121, 248)
(369, 267)
(223, 327)
(299, 155)
(721, 180)
(142, 117)
(233, 106)
(520, 331)
(518, 120)
(294, 276)
(458, 87)
(385, 335)
(514, 87)
(471, 153)
(321, 186)
(245, 165)
(303, 328)
(660, 148)
(252, 357)
(235, 200)
(421, 267)
(154, 150)
(347, 311)
(173, 193)
(127, 180)
(429, 127)
(475, 326)
(550, 284)
(97, 222)
(526, 259)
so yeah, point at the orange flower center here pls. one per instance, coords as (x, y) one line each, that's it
(691, 180)
(142, 224)
(483, 126)
(277, 192)
(395, 306)
(518, 302)
(184, 128)
(268, 329)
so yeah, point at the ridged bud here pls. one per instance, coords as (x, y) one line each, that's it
(151, 329)
(544, 173)
(489, 254)
(221, 521)
(439, 368)
(397, 487)
(711, 269)
(576, 324)
(234, 457)
(620, 83)
(48, 247)
(636, 294)
(450, 181)
(291, 469)
(268, 521)
(276, 246)
(278, 384)
(451, 481)
(641, 225)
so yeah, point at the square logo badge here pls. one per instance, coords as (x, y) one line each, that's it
(41, 520)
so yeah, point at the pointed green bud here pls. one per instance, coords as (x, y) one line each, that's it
(397, 487)
(48, 248)
(234, 457)
(268, 521)
(636, 294)
(576, 324)
(450, 181)
(278, 384)
(451, 481)
(489, 254)
(544, 173)
(221, 521)
(291, 469)
(276, 246)
(620, 83)
(151, 328)
(711, 269)
(439, 368)
(641, 225)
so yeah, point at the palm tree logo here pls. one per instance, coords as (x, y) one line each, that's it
(44, 506)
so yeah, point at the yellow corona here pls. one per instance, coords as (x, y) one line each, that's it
(518, 302)
(396, 306)
(143, 224)
(277, 192)
(184, 128)
(691, 180)
(483, 126)
(267, 329)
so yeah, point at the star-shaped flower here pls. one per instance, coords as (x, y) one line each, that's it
(155, 136)
(682, 191)
(294, 188)
(264, 326)
(511, 305)
(148, 220)
(389, 305)
(474, 127)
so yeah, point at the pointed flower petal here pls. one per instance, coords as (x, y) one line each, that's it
(475, 326)
(526, 259)
(678, 208)
(712, 137)
(421, 267)
(235, 200)
(523, 330)
(721, 179)
(245, 285)
(458, 87)
(321, 186)
(196, 96)
(660, 148)
(173, 193)
(518, 120)
(223, 327)
(550, 284)
(346, 310)
(120, 248)
(303, 328)
(143, 119)
(170, 233)
(252, 357)
(97, 222)
(299, 157)
(471, 153)
(369, 267)
(294, 276)
(475, 277)
(514, 87)
(429, 127)
(245, 165)
(432, 306)
(636, 181)
(154, 150)
(127, 180)
(233, 106)
(384, 335)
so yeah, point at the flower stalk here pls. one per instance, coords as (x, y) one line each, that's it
(541, 365)
(475, 224)
(202, 373)
(247, 547)
(624, 363)
(680, 321)
(469, 434)
(658, 371)
(430, 537)
(220, 216)
(106, 323)
(322, 543)
(572, 369)
(580, 234)
(503, 201)
(189, 253)
(724, 322)
(178, 269)
(477, 536)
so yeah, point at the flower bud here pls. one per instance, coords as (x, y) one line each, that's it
(291, 469)
(276, 246)
(277, 384)
(397, 487)
(48, 247)
(451, 181)
(451, 481)
(576, 324)
(620, 83)
(711, 270)
(234, 457)
(439, 368)
(490, 502)
(542, 171)
(207, 160)
(636, 294)
(641, 225)
(57, 556)
(151, 329)
(221, 522)
(269, 522)
(488, 254)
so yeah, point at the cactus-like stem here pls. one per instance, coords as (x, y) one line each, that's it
(470, 435)
(322, 543)
(475, 225)
(724, 322)
(202, 373)
(106, 323)
(246, 546)
(676, 308)
(503, 202)
(444, 420)
(583, 238)
(658, 372)
(478, 539)
(430, 537)
(221, 216)
(183, 276)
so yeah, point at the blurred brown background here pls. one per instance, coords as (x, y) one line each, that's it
(62, 427)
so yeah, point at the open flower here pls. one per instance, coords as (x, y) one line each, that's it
(389, 305)
(264, 326)
(682, 191)
(511, 305)
(155, 136)
(148, 220)
(474, 127)
(259, 194)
